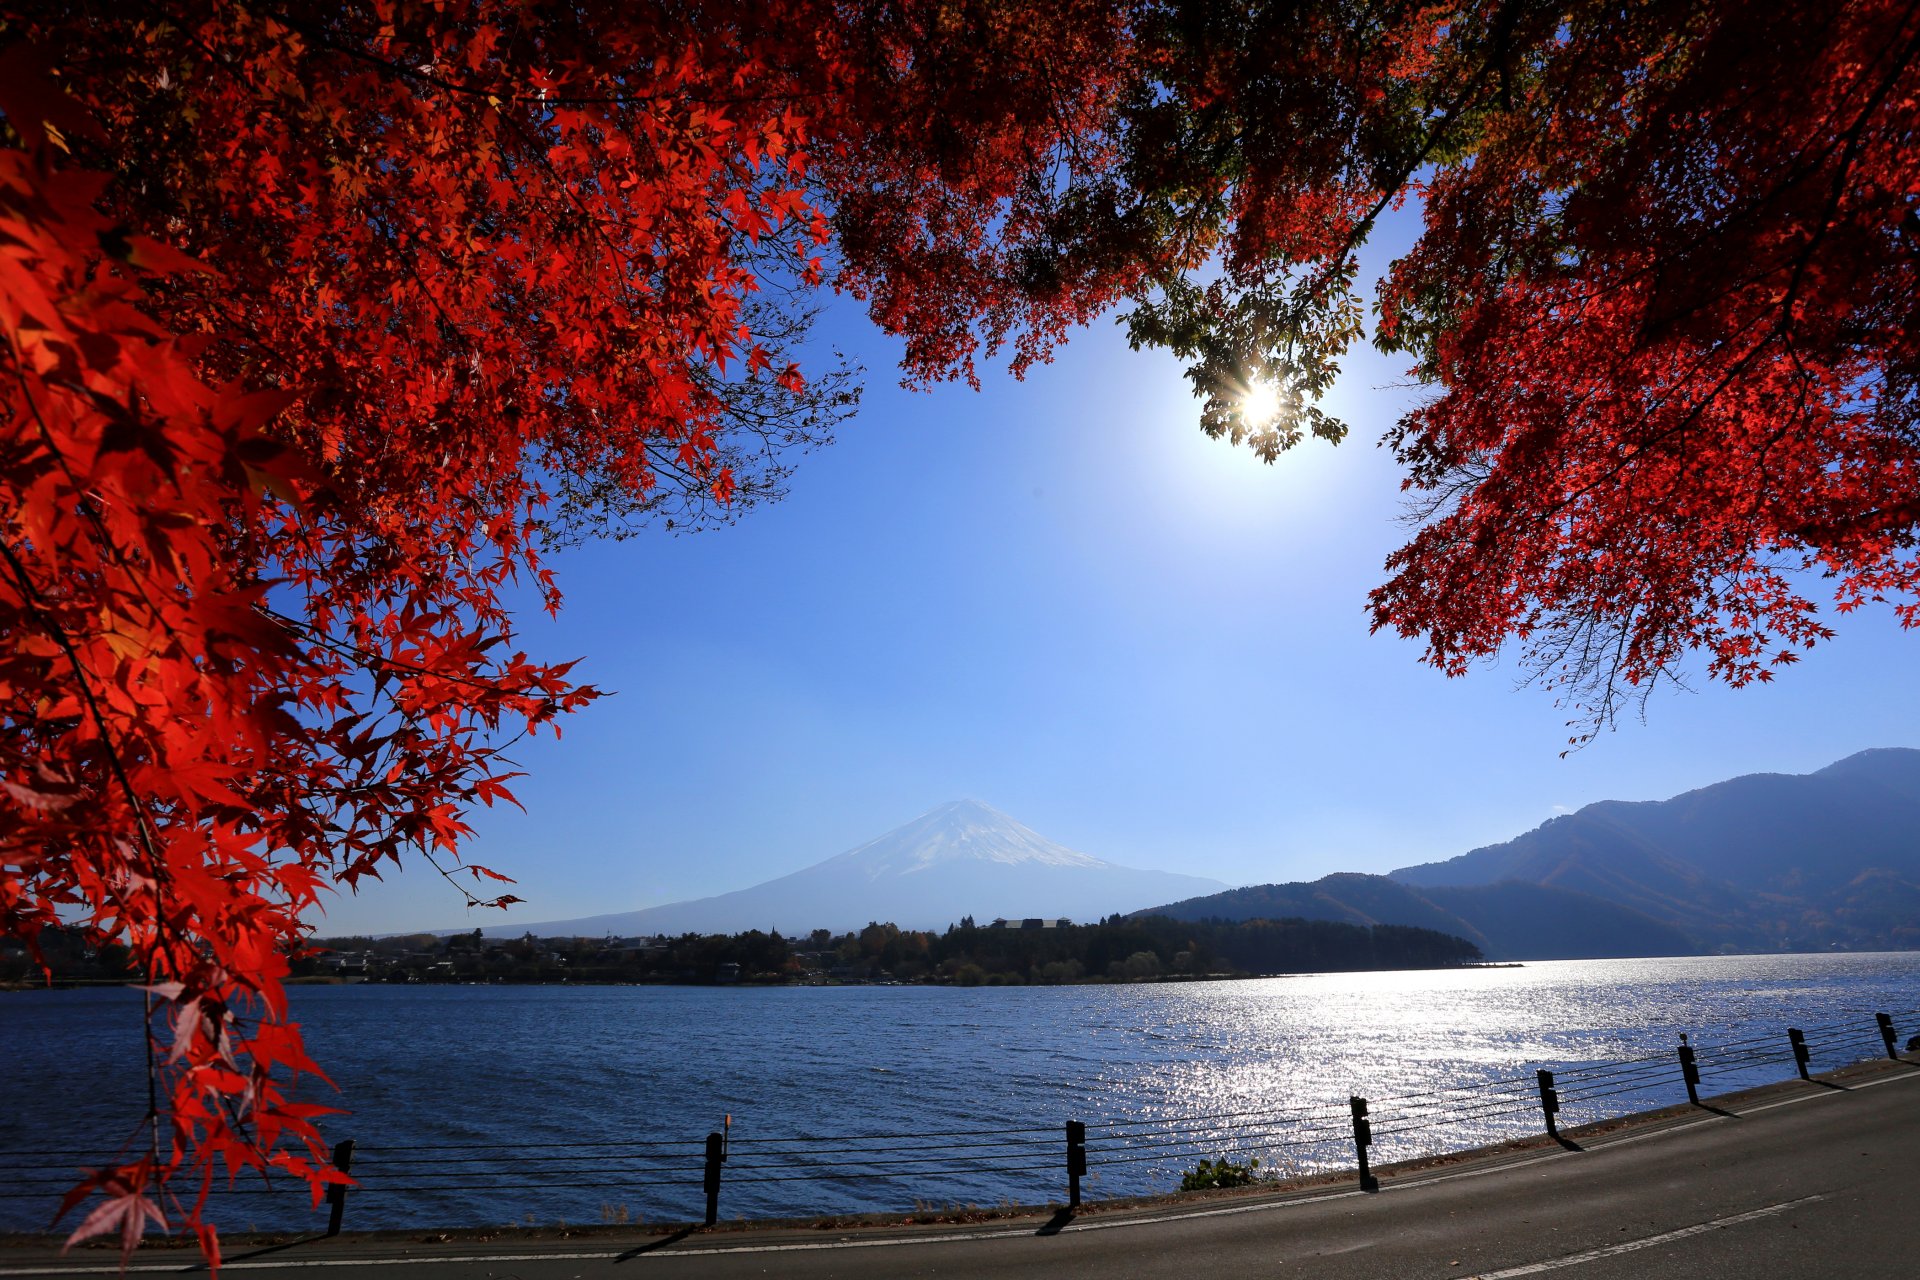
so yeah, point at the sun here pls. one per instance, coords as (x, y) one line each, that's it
(1260, 405)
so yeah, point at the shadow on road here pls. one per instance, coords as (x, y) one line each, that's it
(661, 1243)
(256, 1253)
(1051, 1227)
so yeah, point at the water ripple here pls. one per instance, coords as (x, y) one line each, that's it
(501, 1070)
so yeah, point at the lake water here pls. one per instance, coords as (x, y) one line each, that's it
(471, 1105)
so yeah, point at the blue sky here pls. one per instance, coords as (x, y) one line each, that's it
(1059, 597)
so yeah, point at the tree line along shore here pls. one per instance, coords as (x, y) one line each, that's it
(1002, 953)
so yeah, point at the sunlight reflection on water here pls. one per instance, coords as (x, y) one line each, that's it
(510, 1066)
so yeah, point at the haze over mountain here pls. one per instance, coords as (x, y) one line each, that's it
(1763, 862)
(1766, 861)
(963, 858)
(1509, 921)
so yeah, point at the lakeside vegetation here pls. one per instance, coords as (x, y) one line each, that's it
(1003, 953)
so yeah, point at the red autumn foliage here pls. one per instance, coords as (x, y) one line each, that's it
(319, 323)
(1670, 304)
(1664, 296)
(322, 321)
(1663, 293)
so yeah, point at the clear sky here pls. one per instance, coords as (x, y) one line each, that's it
(1060, 598)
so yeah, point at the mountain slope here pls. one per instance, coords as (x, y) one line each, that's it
(1762, 861)
(963, 858)
(1509, 921)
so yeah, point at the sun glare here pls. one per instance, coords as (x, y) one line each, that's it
(1260, 405)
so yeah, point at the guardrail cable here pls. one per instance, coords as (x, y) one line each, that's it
(1483, 1109)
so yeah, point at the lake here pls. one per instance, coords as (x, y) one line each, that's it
(480, 1105)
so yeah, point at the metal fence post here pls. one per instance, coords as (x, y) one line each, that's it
(1362, 1139)
(1798, 1040)
(337, 1193)
(1886, 1033)
(1689, 1071)
(1076, 1160)
(716, 1156)
(1549, 1102)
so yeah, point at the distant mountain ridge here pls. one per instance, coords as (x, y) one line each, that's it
(1759, 862)
(1762, 862)
(1508, 921)
(963, 858)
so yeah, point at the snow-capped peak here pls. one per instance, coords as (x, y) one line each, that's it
(960, 831)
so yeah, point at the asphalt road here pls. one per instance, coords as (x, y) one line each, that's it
(1812, 1181)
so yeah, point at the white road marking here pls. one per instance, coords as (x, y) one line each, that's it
(1828, 1093)
(1647, 1242)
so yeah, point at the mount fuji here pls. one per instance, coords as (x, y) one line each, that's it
(963, 858)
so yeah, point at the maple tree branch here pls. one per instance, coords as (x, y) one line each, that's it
(493, 96)
(1810, 165)
(449, 876)
(1436, 134)
(1866, 524)
(1902, 60)
(23, 582)
(1662, 437)
(81, 497)
(368, 657)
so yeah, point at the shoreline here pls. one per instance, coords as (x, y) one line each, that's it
(323, 980)
(931, 1222)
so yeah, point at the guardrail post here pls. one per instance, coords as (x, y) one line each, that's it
(716, 1156)
(1798, 1039)
(1076, 1160)
(1886, 1033)
(1362, 1139)
(336, 1193)
(1549, 1102)
(1689, 1070)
